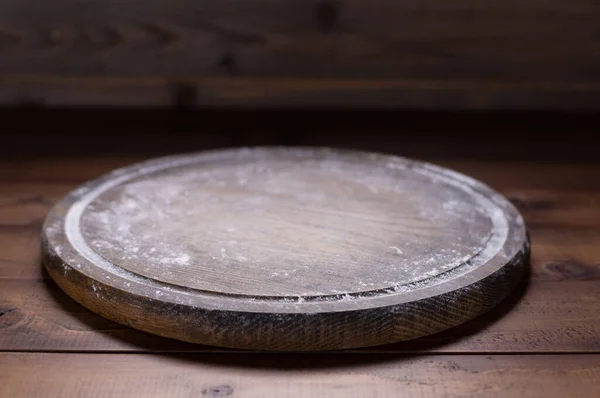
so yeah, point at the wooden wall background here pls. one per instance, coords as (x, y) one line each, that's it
(376, 54)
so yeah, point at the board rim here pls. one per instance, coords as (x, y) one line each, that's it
(92, 292)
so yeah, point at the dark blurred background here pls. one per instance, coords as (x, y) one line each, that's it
(468, 78)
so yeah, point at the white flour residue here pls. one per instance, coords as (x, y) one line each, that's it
(396, 249)
(151, 221)
(181, 259)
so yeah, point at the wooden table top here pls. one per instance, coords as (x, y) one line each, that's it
(542, 341)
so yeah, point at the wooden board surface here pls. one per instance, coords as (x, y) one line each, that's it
(292, 53)
(286, 249)
(30, 375)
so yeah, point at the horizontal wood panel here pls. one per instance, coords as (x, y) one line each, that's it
(292, 38)
(62, 375)
(298, 93)
(538, 318)
(469, 54)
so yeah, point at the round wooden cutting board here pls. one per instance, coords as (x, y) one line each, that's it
(286, 249)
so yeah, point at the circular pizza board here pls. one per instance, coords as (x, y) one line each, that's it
(286, 249)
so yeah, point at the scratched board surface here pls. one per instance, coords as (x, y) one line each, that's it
(286, 249)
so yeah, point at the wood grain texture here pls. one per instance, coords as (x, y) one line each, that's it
(560, 203)
(543, 317)
(290, 53)
(294, 93)
(268, 248)
(298, 376)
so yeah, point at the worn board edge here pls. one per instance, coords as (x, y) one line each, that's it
(339, 327)
(296, 332)
(538, 318)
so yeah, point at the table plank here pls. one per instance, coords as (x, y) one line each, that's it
(538, 318)
(258, 375)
